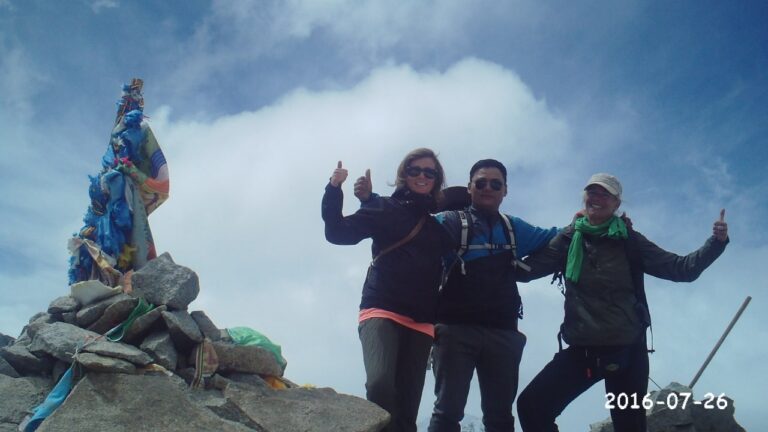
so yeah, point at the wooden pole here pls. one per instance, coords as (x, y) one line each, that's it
(720, 342)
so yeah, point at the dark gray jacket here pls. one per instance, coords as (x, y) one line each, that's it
(607, 307)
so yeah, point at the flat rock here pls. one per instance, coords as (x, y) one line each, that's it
(183, 329)
(19, 396)
(253, 380)
(108, 402)
(89, 314)
(62, 304)
(43, 319)
(24, 362)
(119, 350)
(226, 409)
(38, 316)
(317, 410)
(6, 340)
(160, 347)
(99, 363)
(206, 326)
(7, 370)
(162, 281)
(69, 317)
(144, 324)
(114, 314)
(60, 340)
(246, 358)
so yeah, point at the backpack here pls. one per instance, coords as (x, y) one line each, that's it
(465, 218)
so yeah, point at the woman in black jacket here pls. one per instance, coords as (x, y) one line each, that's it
(397, 311)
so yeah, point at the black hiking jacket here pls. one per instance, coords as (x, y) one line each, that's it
(406, 279)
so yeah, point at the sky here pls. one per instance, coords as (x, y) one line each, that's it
(254, 102)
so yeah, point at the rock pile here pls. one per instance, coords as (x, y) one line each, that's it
(143, 381)
(673, 409)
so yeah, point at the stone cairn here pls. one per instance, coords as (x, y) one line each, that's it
(147, 380)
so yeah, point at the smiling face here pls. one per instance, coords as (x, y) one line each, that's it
(421, 183)
(487, 189)
(599, 204)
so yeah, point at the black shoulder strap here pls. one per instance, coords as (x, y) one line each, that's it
(402, 241)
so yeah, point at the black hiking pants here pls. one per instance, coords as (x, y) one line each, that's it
(574, 370)
(395, 359)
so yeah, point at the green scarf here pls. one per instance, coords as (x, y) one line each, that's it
(614, 228)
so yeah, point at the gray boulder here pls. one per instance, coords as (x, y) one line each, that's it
(60, 340)
(119, 350)
(99, 363)
(716, 420)
(89, 314)
(114, 314)
(247, 359)
(24, 362)
(6, 340)
(69, 317)
(42, 320)
(162, 281)
(317, 410)
(44, 316)
(129, 403)
(206, 326)
(62, 304)
(183, 329)
(7, 370)
(19, 396)
(160, 347)
(144, 324)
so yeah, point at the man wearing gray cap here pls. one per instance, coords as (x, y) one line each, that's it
(606, 311)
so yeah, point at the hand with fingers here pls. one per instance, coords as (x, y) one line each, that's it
(364, 187)
(338, 176)
(720, 228)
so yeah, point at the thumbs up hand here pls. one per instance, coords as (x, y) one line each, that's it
(338, 176)
(720, 228)
(364, 187)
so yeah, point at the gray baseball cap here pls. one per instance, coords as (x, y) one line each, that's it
(608, 181)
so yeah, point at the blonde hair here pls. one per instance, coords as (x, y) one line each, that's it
(418, 154)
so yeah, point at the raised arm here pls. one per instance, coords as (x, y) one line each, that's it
(339, 229)
(667, 265)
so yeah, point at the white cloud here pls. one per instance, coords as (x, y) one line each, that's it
(370, 24)
(99, 5)
(244, 210)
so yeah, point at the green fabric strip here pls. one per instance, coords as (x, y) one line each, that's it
(614, 228)
(118, 332)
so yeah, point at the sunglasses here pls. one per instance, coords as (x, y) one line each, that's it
(414, 171)
(495, 184)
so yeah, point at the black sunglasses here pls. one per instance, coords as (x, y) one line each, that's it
(495, 184)
(414, 171)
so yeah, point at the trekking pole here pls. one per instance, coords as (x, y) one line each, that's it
(720, 342)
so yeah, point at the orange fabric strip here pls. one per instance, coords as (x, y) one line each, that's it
(426, 328)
